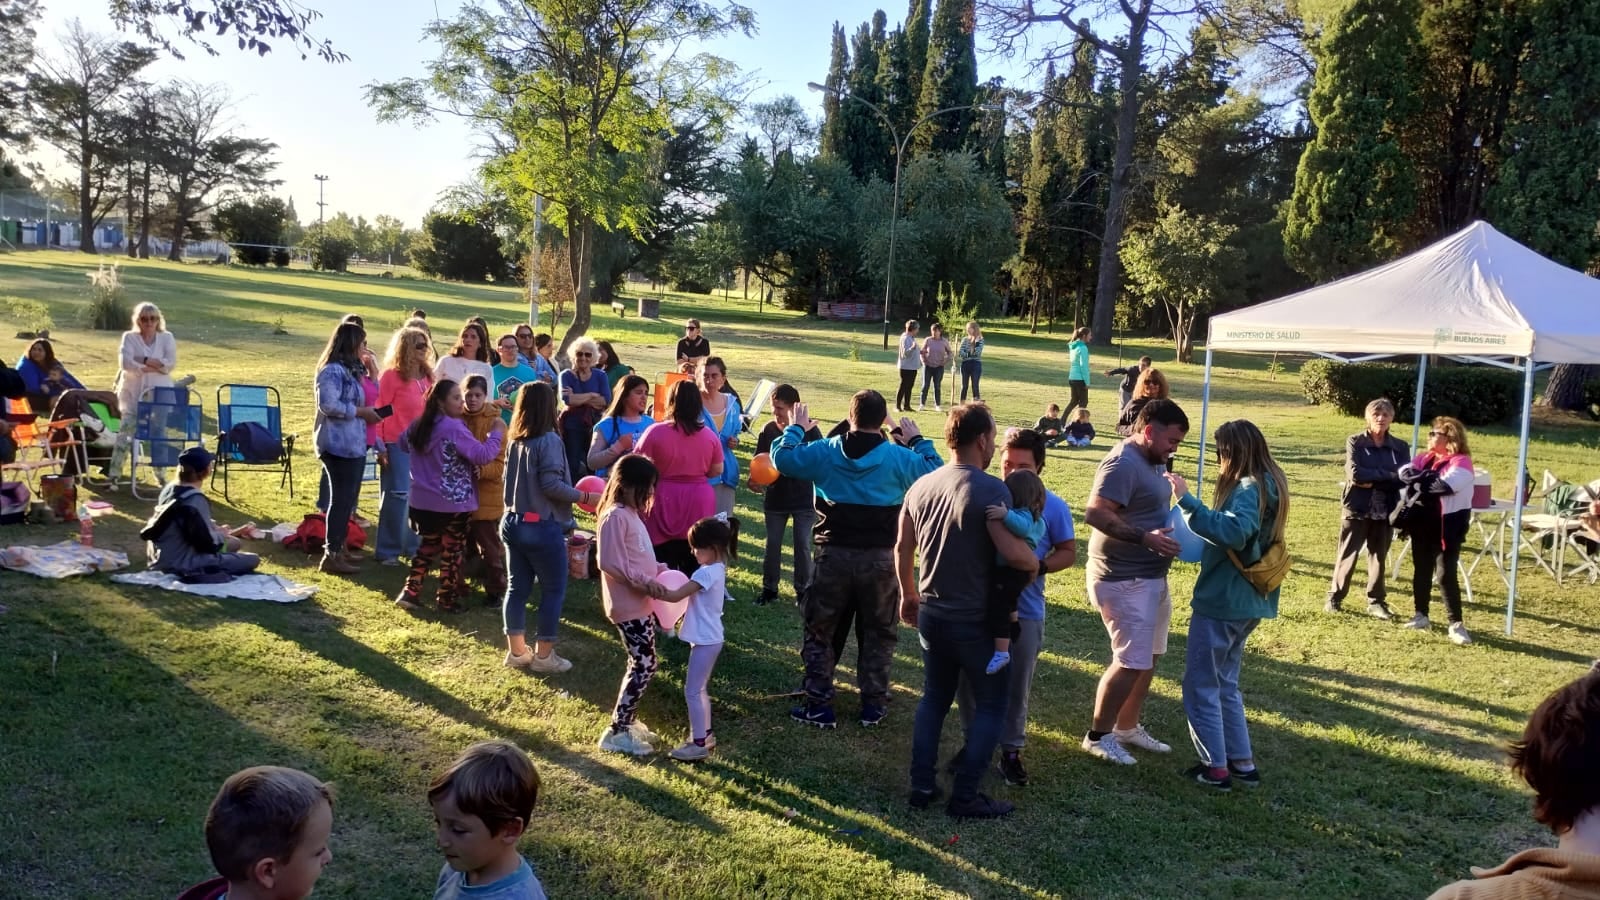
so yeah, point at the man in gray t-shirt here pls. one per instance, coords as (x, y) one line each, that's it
(1129, 554)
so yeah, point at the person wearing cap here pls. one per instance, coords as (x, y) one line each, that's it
(180, 536)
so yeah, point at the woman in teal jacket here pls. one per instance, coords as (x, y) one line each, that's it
(722, 415)
(1252, 504)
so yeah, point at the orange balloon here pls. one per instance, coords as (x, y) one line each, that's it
(762, 471)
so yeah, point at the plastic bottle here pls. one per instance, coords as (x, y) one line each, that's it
(85, 527)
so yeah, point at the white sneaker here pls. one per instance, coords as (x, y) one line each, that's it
(552, 664)
(1459, 635)
(1108, 749)
(938, 408)
(919, 407)
(624, 742)
(1138, 737)
(642, 731)
(1418, 623)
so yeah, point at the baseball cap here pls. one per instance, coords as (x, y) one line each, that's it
(195, 459)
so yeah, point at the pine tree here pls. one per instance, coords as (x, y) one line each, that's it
(833, 137)
(895, 81)
(1547, 194)
(1355, 194)
(949, 79)
(918, 22)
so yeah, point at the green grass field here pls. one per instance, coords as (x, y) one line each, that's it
(122, 710)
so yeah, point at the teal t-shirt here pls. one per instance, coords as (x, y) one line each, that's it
(510, 379)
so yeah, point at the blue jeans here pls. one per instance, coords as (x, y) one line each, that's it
(952, 651)
(1211, 697)
(395, 537)
(935, 376)
(534, 550)
(971, 376)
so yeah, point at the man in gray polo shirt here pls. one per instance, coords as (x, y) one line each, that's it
(1129, 554)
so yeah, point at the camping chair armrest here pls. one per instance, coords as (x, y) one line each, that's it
(63, 424)
(288, 444)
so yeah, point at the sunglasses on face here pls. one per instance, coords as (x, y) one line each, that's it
(148, 319)
(419, 346)
(584, 353)
(691, 328)
(1437, 434)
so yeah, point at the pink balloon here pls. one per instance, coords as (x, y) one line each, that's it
(590, 484)
(669, 612)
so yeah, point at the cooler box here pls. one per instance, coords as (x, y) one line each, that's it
(1482, 488)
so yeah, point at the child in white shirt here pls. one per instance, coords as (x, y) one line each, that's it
(701, 629)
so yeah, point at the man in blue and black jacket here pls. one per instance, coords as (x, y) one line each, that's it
(861, 478)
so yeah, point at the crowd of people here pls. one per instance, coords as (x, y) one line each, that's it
(485, 468)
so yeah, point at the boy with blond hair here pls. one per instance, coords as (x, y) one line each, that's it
(267, 831)
(481, 806)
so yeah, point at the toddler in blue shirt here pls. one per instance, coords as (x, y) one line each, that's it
(1025, 519)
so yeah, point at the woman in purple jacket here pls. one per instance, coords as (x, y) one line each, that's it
(444, 490)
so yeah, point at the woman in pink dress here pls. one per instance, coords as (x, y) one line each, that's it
(686, 453)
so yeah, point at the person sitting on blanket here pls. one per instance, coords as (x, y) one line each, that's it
(181, 536)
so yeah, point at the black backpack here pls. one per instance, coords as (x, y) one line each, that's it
(253, 443)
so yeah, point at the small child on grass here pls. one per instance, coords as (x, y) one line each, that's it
(1081, 432)
(1050, 424)
(267, 832)
(1025, 519)
(485, 556)
(628, 571)
(481, 807)
(701, 629)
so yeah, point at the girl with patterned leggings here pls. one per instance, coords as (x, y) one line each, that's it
(628, 571)
(444, 461)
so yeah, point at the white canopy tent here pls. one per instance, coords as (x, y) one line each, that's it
(1476, 296)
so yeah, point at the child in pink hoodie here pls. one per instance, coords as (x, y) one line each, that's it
(628, 571)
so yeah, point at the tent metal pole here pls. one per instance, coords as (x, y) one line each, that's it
(1519, 479)
(1416, 416)
(1205, 406)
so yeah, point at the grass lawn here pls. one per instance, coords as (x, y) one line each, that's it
(122, 710)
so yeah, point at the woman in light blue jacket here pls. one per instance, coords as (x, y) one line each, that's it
(1251, 505)
(340, 433)
(722, 415)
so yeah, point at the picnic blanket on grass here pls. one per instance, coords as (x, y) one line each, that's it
(272, 588)
(61, 560)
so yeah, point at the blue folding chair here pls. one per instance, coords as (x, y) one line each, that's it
(167, 421)
(241, 403)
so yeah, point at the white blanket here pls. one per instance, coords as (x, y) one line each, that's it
(274, 588)
(61, 560)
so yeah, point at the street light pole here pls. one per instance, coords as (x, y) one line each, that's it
(899, 154)
(321, 219)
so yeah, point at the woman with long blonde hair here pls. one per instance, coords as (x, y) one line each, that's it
(1443, 470)
(1249, 509)
(1150, 385)
(402, 386)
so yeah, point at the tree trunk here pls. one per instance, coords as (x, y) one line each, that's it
(144, 213)
(132, 196)
(1110, 269)
(1033, 325)
(1565, 390)
(85, 198)
(580, 262)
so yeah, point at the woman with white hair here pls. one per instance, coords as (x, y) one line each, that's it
(149, 354)
(585, 393)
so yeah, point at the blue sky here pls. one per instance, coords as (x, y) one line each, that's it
(316, 113)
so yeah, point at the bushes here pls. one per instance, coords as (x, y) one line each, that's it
(280, 257)
(1477, 395)
(108, 308)
(1591, 398)
(332, 253)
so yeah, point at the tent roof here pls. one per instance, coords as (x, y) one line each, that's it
(1475, 293)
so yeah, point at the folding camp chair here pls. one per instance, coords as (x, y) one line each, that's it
(168, 422)
(240, 403)
(36, 450)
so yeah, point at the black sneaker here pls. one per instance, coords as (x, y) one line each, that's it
(819, 714)
(872, 714)
(1201, 774)
(924, 799)
(1250, 779)
(767, 596)
(980, 806)
(1011, 768)
(1333, 605)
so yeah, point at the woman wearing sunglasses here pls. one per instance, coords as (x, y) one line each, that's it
(585, 393)
(149, 354)
(693, 346)
(1444, 472)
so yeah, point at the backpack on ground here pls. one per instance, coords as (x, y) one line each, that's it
(312, 533)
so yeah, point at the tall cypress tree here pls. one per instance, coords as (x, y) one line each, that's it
(917, 28)
(1547, 195)
(833, 137)
(950, 79)
(1355, 192)
(895, 81)
(868, 146)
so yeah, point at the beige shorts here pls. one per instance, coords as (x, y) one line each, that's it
(1138, 615)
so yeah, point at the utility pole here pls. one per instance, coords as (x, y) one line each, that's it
(321, 219)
